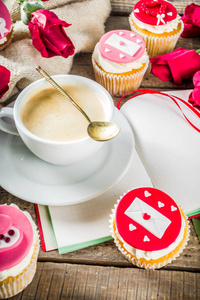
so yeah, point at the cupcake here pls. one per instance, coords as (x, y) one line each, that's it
(157, 22)
(19, 247)
(120, 61)
(6, 28)
(149, 228)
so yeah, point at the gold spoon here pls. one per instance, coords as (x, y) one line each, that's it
(97, 130)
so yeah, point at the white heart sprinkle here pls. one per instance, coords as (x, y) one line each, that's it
(146, 239)
(107, 50)
(173, 208)
(121, 33)
(136, 10)
(121, 55)
(138, 41)
(169, 13)
(132, 227)
(147, 194)
(160, 204)
(132, 34)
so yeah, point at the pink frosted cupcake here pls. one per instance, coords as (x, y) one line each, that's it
(149, 228)
(6, 28)
(19, 247)
(120, 61)
(157, 22)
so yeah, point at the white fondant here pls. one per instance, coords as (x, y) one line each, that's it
(132, 34)
(157, 29)
(160, 204)
(157, 224)
(128, 47)
(169, 13)
(160, 18)
(3, 28)
(13, 239)
(173, 208)
(121, 33)
(121, 55)
(138, 41)
(132, 227)
(136, 10)
(146, 239)
(107, 50)
(147, 194)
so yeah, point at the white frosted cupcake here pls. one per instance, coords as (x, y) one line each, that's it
(120, 61)
(149, 228)
(19, 247)
(157, 22)
(6, 28)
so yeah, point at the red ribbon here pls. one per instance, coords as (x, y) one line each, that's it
(172, 97)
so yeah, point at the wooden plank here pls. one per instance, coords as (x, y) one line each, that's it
(57, 282)
(123, 7)
(45, 281)
(96, 282)
(30, 292)
(69, 282)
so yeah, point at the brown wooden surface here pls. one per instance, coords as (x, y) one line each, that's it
(101, 272)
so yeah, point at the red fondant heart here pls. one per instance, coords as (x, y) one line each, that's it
(146, 216)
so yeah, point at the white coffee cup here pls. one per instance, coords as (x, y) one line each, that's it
(55, 152)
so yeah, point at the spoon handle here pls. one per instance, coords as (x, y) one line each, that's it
(52, 82)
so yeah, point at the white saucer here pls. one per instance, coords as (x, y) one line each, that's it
(30, 178)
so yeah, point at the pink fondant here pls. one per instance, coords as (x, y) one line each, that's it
(4, 14)
(113, 46)
(154, 12)
(5, 223)
(138, 238)
(11, 256)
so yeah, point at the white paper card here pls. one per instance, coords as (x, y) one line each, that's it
(80, 223)
(168, 145)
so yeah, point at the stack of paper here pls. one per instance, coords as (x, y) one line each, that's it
(85, 224)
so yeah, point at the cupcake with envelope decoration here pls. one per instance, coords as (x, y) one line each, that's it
(158, 23)
(6, 28)
(149, 228)
(120, 61)
(19, 247)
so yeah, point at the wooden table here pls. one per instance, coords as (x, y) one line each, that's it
(101, 272)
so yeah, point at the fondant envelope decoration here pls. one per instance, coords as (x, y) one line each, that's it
(127, 46)
(157, 223)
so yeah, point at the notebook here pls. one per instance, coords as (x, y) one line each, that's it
(166, 157)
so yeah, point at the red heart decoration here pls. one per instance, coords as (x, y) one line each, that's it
(146, 216)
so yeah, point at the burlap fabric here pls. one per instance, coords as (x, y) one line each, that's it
(20, 57)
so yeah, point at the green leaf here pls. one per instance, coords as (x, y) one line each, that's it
(198, 51)
(27, 8)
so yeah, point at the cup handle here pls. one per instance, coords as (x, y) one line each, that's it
(5, 126)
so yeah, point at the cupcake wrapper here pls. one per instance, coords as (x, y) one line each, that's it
(118, 85)
(136, 261)
(158, 45)
(16, 284)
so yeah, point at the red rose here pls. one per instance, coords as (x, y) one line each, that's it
(4, 80)
(48, 35)
(177, 66)
(191, 20)
(194, 97)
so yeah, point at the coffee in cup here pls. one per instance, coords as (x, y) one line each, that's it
(62, 139)
(49, 115)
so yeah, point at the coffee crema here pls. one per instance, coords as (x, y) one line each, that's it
(49, 115)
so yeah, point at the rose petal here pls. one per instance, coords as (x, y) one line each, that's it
(173, 67)
(4, 81)
(191, 20)
(48, 34)
(196, 78)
